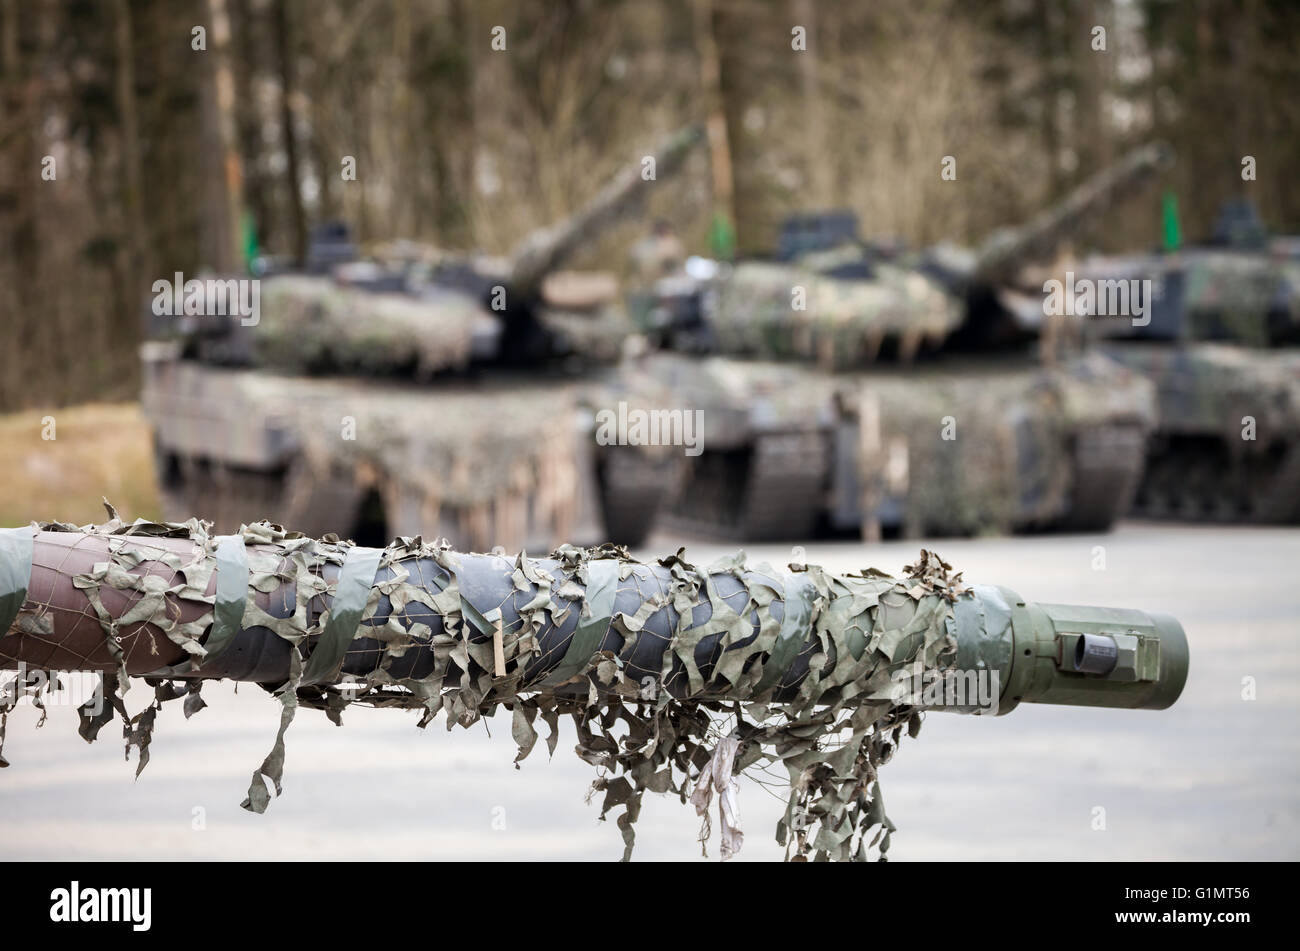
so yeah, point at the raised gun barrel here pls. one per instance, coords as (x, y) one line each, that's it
(544, 250)
(1002, 254)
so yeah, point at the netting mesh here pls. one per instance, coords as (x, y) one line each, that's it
(677, 677)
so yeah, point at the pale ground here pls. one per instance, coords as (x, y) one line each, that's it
(1215, 777)
(59, 463)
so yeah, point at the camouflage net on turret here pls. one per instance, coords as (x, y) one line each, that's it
(1246, 298)
(780, 311)
(807, 687)
(314, 325)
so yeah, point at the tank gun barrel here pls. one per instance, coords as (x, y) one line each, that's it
(1003, 252)
(676, 676)
(171, 601)
(544, 250)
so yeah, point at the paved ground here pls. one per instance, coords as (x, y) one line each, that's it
(1216, 776)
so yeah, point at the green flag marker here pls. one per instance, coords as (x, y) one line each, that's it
(251, 250)
(722, 237)
(1173, 232)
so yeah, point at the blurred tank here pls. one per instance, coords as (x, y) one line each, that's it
(416, 391)
(856, 387)
(1222, 345)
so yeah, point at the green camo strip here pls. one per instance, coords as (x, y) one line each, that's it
(232, 592)
(799, 595)
(601, 589)
(15, 572)
(350, 595)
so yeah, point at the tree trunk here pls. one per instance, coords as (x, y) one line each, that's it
(284, 53)
(136, 235)
(716, 116)
(225, 247)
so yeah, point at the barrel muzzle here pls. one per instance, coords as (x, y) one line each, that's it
(1091, 656)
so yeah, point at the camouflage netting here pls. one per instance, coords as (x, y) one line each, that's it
(313, 324)
(494, 464)
(675, 676)
(738, 398)
(1235, 294)
(843, 321)
(499, 464)
(1228, 442)
(1209, 389)
(839, 305)
(597, 334)
(1011, 463)
(1009, 459)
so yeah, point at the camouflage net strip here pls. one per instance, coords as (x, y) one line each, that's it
(793, 311)
(755, 667)
(312, 327)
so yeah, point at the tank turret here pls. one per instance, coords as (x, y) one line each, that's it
(1217, 330)
(937, 417)
(413, 391)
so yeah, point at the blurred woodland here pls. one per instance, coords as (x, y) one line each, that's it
(171, 158)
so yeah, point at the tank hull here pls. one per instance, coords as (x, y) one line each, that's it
(968, 447)
(501, 461)
(1228, 444)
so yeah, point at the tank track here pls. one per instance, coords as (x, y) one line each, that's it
(1108, 463)
(771, 489)
(1278, 499)
(633, 488)
(225, 496)
(1196, 479)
